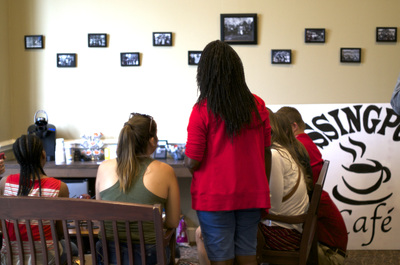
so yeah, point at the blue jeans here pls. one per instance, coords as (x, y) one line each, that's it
(227, 234)
(151, 253)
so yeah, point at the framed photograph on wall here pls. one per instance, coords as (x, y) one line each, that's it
(281, 56)
(34, 42)
(66, 59)
(194, 57)
(130, 59)
(162, 38)
(386, 34)
(97, 40)
(314, 35)
(239, 28)
(350, 55)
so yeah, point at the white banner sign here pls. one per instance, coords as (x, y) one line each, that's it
(362, 142)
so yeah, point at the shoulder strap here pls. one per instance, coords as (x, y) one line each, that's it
(290, 194)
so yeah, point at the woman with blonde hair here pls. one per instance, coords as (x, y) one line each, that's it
(135, 177)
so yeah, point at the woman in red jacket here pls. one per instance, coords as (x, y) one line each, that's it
(228, 152)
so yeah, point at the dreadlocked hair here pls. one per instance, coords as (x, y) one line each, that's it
(132, 147)
(221, 82)
(28, 151)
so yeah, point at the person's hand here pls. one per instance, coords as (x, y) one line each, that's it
(2, 166)
(199, 234)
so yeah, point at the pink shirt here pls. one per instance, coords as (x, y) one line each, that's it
(232, 173)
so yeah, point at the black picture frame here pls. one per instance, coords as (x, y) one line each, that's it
(281, 56)
(386, 34)
(97, 40)
(350, 55)
(194, 57)
(34, 42)
(130, 59)
(314, 35)
(239, 28)
(66, 59)
(162, 38)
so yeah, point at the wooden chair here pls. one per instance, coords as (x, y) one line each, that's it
(308, 246)
(82, 212)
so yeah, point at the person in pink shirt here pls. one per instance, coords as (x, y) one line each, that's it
(228, 152)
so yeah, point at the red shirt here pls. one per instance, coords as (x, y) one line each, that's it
(50, 188)
(316, 160)
(231, 175)
(331, 228)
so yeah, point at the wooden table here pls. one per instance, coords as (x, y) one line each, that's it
(87, 169)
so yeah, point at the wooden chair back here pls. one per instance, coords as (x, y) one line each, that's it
(308, 245)
(83, 212)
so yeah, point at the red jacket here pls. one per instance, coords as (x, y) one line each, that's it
(231, 175)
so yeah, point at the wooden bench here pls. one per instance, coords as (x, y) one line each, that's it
(82, 212)
(308, 246)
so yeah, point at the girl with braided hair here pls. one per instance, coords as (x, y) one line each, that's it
(135, 177)
(228, 153)
(32, 181)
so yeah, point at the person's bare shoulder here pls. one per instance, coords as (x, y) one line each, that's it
(106, 175)
(161, 168)
(2, 185)
(106, 167)
(108, 163)
(64, 191)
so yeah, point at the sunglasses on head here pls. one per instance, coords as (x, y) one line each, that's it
(144, 115)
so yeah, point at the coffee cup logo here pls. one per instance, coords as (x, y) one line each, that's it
(367, 171)
(361, 183)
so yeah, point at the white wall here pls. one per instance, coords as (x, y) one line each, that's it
(99, 94)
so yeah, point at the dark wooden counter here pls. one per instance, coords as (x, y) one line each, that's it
(88, 169)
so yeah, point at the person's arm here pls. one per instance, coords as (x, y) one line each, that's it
(268, 161)
(395, 100)
(267, 147)
(173, 205)
(97, 184)
(2, 185)
(276, 185)
(64, 192)
(106, 176)
(201, 249)
(192, 164)
(196, 141)
(2, 166)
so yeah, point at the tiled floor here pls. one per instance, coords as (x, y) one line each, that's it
(188, 256)
(370, 257)
(355, 257)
